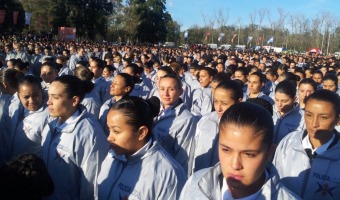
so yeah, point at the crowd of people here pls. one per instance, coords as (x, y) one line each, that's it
(97, 121)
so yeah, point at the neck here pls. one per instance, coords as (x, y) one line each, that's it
(63, 119)
(254, 95)
(117, 98)
(302, 105)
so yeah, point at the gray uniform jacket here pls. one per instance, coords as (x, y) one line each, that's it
(12, 109)
(191, 80)
(5, 100)
(287, 123)
(102, 87)
(65, 71)
(73, 156)
(202, 102)
(26, 128)
(153, 174)
(175, 132)
(142, 89)
(23, 56)
(206, 184)
(316, 178)
(92, 103)
(104, 110)
(206, 142)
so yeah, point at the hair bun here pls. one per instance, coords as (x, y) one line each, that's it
(155, 105)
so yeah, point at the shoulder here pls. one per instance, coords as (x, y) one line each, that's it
(191, 188)
(208, 118)
(164, 163)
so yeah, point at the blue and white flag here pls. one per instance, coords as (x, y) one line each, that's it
(28, 18)
(220, 35)
(185, 34)
(270, 40)
(249, 39)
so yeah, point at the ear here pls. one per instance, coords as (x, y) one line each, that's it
(239, 100)
(127, 89)
(75, 101)
(142, 133)
(337, 121)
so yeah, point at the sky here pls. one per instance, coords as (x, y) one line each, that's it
(193, 12)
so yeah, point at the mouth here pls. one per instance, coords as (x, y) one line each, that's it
(235, 177)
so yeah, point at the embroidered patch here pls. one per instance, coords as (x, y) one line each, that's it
(325, 189)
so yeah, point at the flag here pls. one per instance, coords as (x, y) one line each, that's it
(28, 18)
(207, 36)
(39, 21)
(15, 17)
(185, 34)
(220, 35)
(2, 16)
(259, 40)
(249, 39)
(232, 39)
(49, 21)
(270, 40)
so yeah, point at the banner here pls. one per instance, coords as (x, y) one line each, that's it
(259, 40)
(249, 39)
(28, 17)
(66, 33)
(2, 16)
(232, 39)
(207, 35)
(39, 21)
(49, 21)
(270, 40)
(186, 35)
(15, 17)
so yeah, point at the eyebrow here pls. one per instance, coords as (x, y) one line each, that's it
(54, 94)
(306, 111)
(246, 150)
(114, 127)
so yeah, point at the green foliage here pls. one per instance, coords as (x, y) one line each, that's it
(10, 6)
(150, 22)
(89, 17)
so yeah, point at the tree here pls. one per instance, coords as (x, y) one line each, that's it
(152, 19)
(10, 6)
(89, 17)
(41, 14)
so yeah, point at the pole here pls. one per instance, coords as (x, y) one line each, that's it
(238, 35)
(323, 36)
(329, 36)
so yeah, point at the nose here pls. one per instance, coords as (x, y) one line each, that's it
(110, 138)
(49, 101)
(315, 122)
(236, 162)
(219, 107)
(279, 104)
(167, 92)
